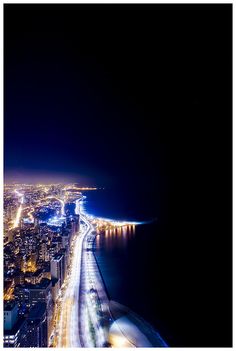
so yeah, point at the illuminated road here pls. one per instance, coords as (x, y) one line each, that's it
(84, 315)
(81, 319)
(104, 322)
(19, 211)
(94, 303)
(68, 325)
(88, 318)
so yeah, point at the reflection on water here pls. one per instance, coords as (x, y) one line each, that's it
(115, 236)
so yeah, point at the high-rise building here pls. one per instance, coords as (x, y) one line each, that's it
(31, 294)
(43, 251)
(58, 267)
(55, 289)
(15, 328)
(37, 329)
(10, 314)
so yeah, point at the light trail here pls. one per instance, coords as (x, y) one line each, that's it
(18, 216)
(20, 195)
(79, 323)
(85, 306)
(68, 329)
(82, 315)
(19, 211)
(94, 301)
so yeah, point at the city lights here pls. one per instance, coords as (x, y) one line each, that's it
(49, 258)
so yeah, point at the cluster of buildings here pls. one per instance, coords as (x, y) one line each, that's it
(39, 226)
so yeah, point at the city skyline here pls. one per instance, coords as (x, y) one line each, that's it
(36, 178)
(135, 101)
(54, 293)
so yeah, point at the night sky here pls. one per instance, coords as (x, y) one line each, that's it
(135, 97)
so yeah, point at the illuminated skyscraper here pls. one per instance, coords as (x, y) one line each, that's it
(15, 328)
(58, 268)
(10, 314)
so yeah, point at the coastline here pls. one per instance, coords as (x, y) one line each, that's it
(154, 337)
(144, 334)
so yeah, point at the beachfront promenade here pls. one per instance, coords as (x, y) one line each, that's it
(88, 317)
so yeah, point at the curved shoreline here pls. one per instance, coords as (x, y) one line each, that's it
(136, 332)
(145, 328)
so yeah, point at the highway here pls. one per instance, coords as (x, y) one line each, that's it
(81, 313)
(94, 303)
(19, 211)
(84, 316)
(67, 326)
(68, 331)
(87, 318)
(93, 300)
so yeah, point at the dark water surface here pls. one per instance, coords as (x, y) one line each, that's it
(128, 257)
(174, 270)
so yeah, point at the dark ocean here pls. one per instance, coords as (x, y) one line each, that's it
(128, 259)
(174, 269)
